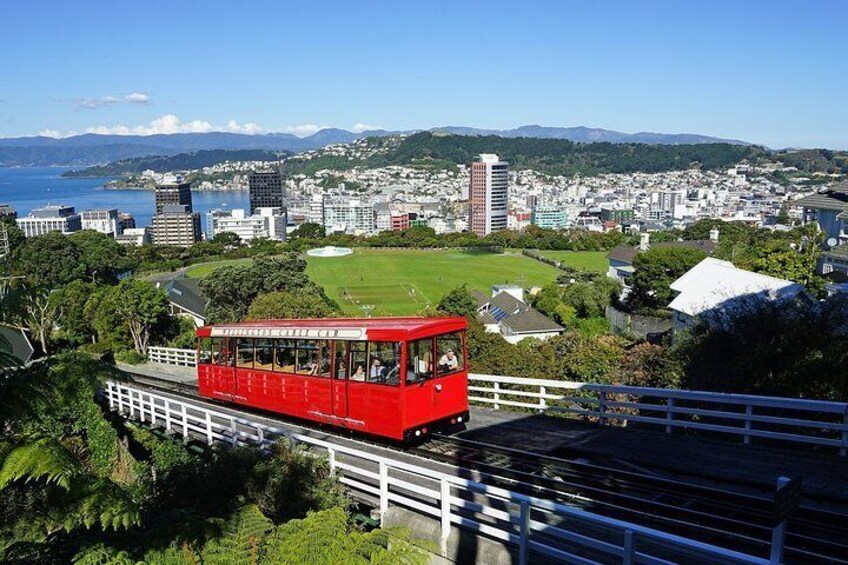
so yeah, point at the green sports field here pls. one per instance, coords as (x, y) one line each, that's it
(585, 260)
(399, 282)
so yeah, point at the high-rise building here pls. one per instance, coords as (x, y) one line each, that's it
(7, 211)
(267, 190)
(489, 190)
(104, 221)
(552, 217)
(125, 222)
(265, 223)
(176, 225)
(50, 218)
(173, 192)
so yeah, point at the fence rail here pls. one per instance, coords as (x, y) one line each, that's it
(533, 526)
(781, 420)
(172, 356)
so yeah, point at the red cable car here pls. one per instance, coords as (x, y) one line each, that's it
(398, 378)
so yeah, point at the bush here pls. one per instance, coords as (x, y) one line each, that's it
(130, 357)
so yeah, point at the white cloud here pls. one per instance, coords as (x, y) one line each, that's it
(304, 130)
(359, 128)
(249, 128)
(56, 134)
(162, 125)
(105, 101)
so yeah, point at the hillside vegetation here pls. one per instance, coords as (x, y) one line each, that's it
(551, 156)
(181, 162)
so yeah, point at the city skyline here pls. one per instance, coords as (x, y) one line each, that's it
(764, 72)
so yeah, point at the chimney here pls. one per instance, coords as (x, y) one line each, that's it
(644, 241)
(714, 234)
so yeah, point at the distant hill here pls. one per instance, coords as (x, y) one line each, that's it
(94, 149)
(179, 162)
(551, 156)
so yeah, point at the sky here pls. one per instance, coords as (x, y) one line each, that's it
(766, 71)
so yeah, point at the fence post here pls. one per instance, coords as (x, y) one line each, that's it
(384, 490)
(109, 392)
(602, 408)
(167, 414)
(524, 533)
(331, 459)
(778, 534)
(233, 432)
(669, 415)
(130, 399)
(497, 395)
(120, 396)
(209, 438)
(260, 433)
(628, 548)
(185, 422)
(542, 404)
(445, 513)
(152, 410)
(749, 411)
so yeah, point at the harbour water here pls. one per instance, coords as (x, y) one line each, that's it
(28, 188)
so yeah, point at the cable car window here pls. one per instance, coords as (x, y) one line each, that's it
(385, 363)
(449, 353)
(204, 350)
(284, 355)
(264, 354)
(341, 367)
(358, 360)
(244, 353)
(322, 369)
(419, 361)
(308, 357)
(225, 355)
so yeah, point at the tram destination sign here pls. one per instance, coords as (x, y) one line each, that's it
(290, 333)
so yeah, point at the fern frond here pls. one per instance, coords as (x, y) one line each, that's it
(243, 539)
(41, 459)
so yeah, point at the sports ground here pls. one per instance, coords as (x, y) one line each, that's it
(403, 282)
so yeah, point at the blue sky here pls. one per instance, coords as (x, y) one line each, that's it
(771, 72)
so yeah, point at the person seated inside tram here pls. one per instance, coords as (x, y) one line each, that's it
(377, 370)
(314, 366)
(448, 362)
(359, 374)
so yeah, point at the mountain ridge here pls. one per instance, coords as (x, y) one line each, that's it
(94, 149)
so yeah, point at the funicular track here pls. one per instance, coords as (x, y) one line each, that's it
(710, 514)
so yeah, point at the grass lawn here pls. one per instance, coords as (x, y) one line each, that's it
(585, 260)
(402, 282)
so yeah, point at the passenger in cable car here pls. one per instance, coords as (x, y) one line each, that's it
(359, 374)
(448, 361)
(376, 370)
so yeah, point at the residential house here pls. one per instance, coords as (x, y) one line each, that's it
(505, 312)
(829, 209)
(186, 299)
(713, 290)
(14, 342)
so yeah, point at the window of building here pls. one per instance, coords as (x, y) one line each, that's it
(385, 363)
(264, 354)
(419, 361)
(358, 360)
(449, 353)
(244, 353)
(284, 355)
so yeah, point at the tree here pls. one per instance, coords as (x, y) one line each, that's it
(227, 239)
(285, 305)
(655, 270)
(458, 302)
(76, 322)
(101, 256)
(50, 260)
(137, 305)
(42, 314)
(308, 230)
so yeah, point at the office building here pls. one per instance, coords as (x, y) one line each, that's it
(267, 222)
(551, 217)
(346, 214)
(7, 211)
(267, 190)
(103, 221)
(488, 190)
(620, 215)
(173, 192)
(176, 225)
(50, 218)
(125, 222)
(134, 236)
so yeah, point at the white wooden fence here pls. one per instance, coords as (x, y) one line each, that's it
(172, 356)
(783, 420)
(745, 416)
(532, 525)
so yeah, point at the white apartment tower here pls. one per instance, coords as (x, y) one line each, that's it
(488, 191)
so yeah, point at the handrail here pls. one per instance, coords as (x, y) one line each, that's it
(787, 420)
(498, 513)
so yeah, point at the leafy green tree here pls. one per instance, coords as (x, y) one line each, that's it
(43, 312)
(283, 305)
(76, 323)
(227, 239)
(655, 270)
(101, 256)
(458, 302)
(50, 260)
(136, 305)
(308, 230)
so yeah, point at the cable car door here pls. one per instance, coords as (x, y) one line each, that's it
(341, 371)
